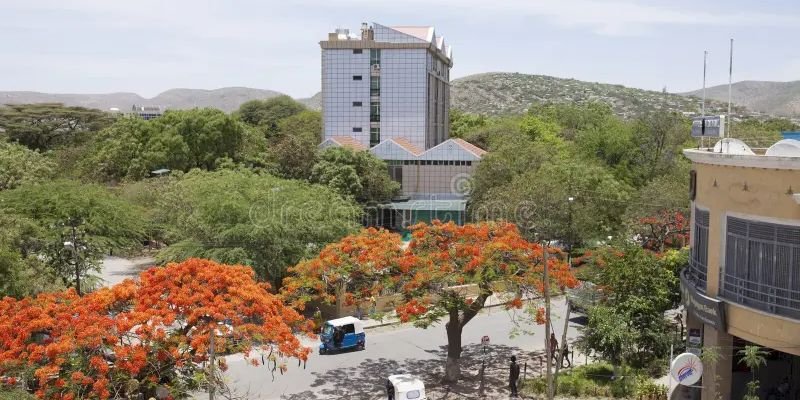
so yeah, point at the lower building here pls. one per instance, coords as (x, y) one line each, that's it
(742, 286)
(434, 184)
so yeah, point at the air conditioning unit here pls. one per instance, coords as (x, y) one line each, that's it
(376, 67)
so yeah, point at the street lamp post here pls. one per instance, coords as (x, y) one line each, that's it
(73, 245)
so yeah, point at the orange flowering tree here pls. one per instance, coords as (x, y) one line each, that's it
(442, 258)
(664, 228)
(346, 272)
(134, 336)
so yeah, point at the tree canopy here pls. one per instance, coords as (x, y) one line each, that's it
(89, 216)
(442, 257)
(242, 217)
(43, 126)
(131, 338)
(178, 140)
(20, 165)
(267, 113)
(356, 174)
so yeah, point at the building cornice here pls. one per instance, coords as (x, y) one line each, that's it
(371, 44)
(702, 156)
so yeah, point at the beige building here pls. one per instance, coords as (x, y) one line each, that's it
(743, 283)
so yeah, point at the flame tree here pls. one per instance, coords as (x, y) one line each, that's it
(127, 339)
(441, 257)
(346, 272)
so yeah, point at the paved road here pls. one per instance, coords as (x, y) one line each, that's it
(403, 349)
(117, 269)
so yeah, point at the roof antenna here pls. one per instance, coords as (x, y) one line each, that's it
(730, 91)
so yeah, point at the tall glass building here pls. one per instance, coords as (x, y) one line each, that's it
(389, 82)
(387, 91)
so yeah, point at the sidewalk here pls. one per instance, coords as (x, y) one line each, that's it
(495, 300)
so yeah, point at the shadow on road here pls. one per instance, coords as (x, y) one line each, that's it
(367, 380)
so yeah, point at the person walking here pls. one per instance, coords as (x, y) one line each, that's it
(553, 346)
(513, 376)
(373, 305)
(566, 356)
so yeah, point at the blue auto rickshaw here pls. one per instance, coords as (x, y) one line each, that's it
(342, 334)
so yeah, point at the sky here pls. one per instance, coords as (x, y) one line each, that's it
(149, 46)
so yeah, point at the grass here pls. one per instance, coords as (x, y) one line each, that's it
(15, 394)
(595, 380)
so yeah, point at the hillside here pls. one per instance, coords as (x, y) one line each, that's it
(227, 99)
(776, 98)
(503, 93)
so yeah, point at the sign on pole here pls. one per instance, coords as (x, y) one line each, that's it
(711, 126)
(686, 369)
(485, 340)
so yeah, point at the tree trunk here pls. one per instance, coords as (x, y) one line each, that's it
(452, 368)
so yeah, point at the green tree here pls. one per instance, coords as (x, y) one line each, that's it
(243, 217)
(539, 128)
(461, 123)
(89, 216)
(660, 139)
(306, 124)
(44, 126)
(267, 113)
(22, 272)
(538, 200)
(355, 174)
(754, 357)
(20, 165)
(178, 140)
(638, 288)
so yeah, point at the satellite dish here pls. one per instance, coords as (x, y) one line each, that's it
(733, 146)
(686, 369)
(785, 148)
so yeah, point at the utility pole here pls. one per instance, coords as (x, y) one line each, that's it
(212, 359)
(548, 350)
(75, 258)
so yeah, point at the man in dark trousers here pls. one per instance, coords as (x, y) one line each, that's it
(553, 346)
(513, 376)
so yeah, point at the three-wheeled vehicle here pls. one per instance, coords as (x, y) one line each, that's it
(405, 387)
(341, 334)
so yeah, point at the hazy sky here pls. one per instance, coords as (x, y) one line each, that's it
(148, 46)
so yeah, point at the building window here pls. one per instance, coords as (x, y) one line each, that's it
(698, 263)
(375, 86)
(375, 56)
(396, 173)
(374, 111)
(357, 129)
(356, 77)
(357, 51)
(374, 136)
(356, 104)
(469, 163)
(762, 266)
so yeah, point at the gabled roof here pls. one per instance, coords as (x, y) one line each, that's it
(471, 147)
(406, 144)
(453, 149)
(396, 149)
(343, 141)
(420, 32)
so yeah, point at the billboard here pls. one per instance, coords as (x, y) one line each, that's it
(709, 126)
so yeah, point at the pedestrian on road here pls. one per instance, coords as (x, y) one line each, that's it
(566, 356)
(513, 376)
(553, 346)
(373, 305)
(318, 320)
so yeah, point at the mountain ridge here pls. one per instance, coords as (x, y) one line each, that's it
(771, 97)
(488, 93)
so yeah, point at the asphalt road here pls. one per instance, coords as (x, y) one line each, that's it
(406, 349)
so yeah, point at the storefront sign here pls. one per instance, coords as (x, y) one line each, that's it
(709, 310)
(686, 369)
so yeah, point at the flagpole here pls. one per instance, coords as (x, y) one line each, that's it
(730, 91)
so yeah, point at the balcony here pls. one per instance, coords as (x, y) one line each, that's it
(760, 296)
(696, 274)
